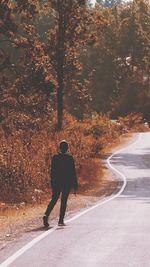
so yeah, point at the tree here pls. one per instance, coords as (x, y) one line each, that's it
(73, 19)
(120, 60)
(103, 61)
(134, 49)
(29, 71)
(135, 33)
(109, 3)
(48, 40)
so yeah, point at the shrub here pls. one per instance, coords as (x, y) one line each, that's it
(132, 122)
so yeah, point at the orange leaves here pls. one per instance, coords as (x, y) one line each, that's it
(21, 42)
(49, 78)
(28, 6)
(8, 26)
(133, 121)
(30, 29)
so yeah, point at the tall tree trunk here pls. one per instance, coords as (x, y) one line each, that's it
(60, 62)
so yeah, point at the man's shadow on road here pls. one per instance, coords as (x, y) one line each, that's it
(39, 229)
(44, 229)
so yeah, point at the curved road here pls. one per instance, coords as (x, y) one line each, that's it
(114, 234)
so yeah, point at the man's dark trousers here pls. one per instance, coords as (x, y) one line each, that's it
(55, 196)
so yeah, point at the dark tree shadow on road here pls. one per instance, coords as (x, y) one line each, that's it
(138, 187)
(136, 161)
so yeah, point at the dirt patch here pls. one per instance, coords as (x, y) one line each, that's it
(18, 219)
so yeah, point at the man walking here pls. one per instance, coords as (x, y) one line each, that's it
(63, 179)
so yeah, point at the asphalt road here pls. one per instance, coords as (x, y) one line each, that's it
(113, 234)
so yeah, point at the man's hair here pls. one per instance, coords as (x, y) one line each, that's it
(63, 146)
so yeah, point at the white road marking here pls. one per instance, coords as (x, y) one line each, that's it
(43, 235)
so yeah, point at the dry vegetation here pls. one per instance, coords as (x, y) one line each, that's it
(27, 145)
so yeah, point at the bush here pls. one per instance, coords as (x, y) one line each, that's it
(132, 122)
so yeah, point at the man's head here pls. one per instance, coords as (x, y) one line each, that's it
(63, 146)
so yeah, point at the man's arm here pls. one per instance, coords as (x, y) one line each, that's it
(74, 176)
(53, 170)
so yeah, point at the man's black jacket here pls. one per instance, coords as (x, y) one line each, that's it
(63, 173)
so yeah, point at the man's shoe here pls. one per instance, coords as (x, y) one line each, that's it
(61, 223)
(45, 221)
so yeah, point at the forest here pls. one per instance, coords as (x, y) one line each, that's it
(68, 70)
